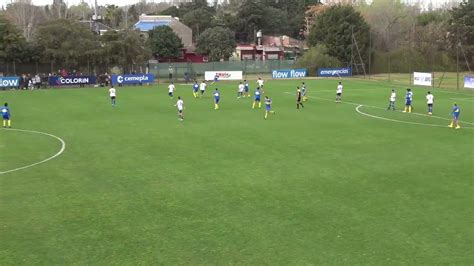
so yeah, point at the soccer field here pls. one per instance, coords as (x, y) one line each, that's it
(348, 183)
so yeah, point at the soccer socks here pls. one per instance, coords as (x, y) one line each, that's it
(216, 106)
(266, 114)
(409, 109)
(253, 105)
(259, 105)
(4, 123)
(451, 125)
(7, 122)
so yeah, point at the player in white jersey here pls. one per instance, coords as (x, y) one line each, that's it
(260, 83)
(339, 92)
(393, 98)
(430, 101)
(202, 87)
(171, 88)
(113, 95)
(180, 105)
(240, 90)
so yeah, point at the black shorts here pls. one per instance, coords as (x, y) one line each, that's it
(112, 97)
(180, 111)
(338, 94)
(430, 105)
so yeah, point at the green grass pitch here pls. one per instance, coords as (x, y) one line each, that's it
(321, 185)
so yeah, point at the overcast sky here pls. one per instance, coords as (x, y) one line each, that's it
(129, 2)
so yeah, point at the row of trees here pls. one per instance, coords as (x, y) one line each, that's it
(68, 44)
(385, 30)
(395, 36)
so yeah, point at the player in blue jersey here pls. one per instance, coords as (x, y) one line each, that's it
(408, 100)
(195, 89)
(455, 113)
(268, 107)
(217, 96)
(6, 115)
(246, 89)
(257, 98)
(216, 78)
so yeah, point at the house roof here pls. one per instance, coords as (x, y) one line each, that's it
(149, 25)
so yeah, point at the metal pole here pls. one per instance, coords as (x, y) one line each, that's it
(370, 50)
(352, 45)
(457, 58)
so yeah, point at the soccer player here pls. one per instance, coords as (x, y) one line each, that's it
(299, 98)
(171, 90)
(408, 99)
(393, 98)
(6, 116)
(430, 101)
(304, 92)
(246, 88)
(217, 96)
(339, 92)
(257, 99)
(268, 107)
(216, 78)
(195, 89)
(260, 82)
(240, 91)
(113, 95)
(455, 113)
(202, 87)
(180, 105)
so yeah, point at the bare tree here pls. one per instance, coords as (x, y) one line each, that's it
(25, 16)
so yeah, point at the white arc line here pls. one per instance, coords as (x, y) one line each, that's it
(399, 121)
(63, 147)
(381, 108)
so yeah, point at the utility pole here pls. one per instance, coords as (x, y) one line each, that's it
(96, 18)
(370, 49)
(352, 49)
(457, 58)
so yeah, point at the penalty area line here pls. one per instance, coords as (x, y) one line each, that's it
(382, 108)
(399, 121)
(63, 147)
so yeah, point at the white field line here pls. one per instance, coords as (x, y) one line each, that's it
(382, 108)
(63, 147)
(399, 121)
(463, 100)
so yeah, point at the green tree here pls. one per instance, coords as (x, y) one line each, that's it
(113, 16)
(333, 28)
(13, 46)
(132, 15)
(163, 42)
(82, 11)
(67, 43)
(187, 7)
(123, 48)
(462, 29)
(217, 42)
(198, 20)
(317, 57)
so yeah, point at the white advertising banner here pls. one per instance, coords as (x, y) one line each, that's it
(223, 75)
(469, 82)
(422, 79)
